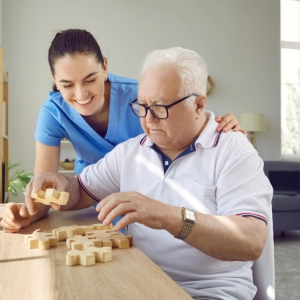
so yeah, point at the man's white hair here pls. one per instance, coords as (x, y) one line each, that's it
(191, 67)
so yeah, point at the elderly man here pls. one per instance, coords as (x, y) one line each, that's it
(196, 201)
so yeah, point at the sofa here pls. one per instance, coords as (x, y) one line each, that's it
(285, 179)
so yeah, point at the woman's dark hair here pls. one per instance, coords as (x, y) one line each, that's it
(72, 42)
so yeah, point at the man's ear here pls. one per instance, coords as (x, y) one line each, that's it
(200, 104)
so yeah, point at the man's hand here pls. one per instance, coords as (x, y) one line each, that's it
(136, 208)
(14, 217)
(229, 122)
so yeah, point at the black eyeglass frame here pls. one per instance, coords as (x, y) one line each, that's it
(160, 105)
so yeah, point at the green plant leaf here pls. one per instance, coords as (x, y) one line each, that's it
(19, 180)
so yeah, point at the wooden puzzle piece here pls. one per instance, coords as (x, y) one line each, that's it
(79, 242)
(41, 240)
(88, 256)
(65, 232)
(50, 196)
(117, 238)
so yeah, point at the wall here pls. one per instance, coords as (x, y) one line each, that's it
(239, 39)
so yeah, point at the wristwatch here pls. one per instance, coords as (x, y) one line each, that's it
(189, 218)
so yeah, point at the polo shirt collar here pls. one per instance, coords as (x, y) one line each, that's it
(208, 138)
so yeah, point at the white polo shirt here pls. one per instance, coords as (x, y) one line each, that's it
(220, 174)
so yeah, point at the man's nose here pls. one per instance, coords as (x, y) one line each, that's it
(149, 116)
(81, 93)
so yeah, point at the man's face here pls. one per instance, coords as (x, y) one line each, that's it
(161, 85)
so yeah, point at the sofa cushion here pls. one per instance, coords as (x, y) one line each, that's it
(281, 202)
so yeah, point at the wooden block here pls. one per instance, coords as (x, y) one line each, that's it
(78, 242)
(41, 240)
(117, 238)
(78, 257)
(65, 232)
(103, 254)
(102, 227)
(50, 196)
(130, 239)
(88, 256)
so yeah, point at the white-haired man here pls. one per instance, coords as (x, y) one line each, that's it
(196, 201)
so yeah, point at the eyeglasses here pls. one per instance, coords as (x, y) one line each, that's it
(158, 111)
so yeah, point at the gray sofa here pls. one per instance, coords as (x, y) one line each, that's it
(285, 179)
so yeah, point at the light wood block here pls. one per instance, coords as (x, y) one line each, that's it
(88, 256)
(117, 238)
(78, 257)
(65, 232)
(41, 240)
(50, 196)
(79, 242)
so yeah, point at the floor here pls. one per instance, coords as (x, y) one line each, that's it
(287, 265)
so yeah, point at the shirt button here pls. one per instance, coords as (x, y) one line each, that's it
(166, 163)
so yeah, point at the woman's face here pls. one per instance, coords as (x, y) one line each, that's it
(80, 79)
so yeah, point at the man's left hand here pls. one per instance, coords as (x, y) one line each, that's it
(135, 207)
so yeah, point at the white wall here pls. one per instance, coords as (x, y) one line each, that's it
(239, 39)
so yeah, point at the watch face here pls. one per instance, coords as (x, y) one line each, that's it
(189, 214)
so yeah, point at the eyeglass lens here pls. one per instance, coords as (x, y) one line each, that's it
(157, 111)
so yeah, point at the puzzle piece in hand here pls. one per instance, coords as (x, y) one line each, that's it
(41, 240)
(88, 256)
(79, 242)
(117, 238)
(65, 232)
(51, 196)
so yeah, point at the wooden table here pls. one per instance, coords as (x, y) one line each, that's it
(43, 274)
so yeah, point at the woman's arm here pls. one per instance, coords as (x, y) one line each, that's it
(46, 158)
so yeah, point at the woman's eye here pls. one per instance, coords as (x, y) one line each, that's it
(67, 86)
(89, 81)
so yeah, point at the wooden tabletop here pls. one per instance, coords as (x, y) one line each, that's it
(43, 274)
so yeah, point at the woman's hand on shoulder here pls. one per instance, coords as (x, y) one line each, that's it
(228, 122)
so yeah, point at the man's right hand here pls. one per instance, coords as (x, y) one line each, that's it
(14, 217)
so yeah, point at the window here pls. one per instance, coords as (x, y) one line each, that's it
(290, 77)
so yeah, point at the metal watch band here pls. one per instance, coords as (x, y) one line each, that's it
(187, 227)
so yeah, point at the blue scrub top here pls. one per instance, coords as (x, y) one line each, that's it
(57, 120)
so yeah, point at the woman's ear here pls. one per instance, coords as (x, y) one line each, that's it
(51, 74)
(105, 67)
(55, 85)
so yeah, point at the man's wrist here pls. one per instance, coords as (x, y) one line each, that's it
(189, 219)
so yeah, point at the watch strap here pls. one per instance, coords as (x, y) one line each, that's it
(187, 227)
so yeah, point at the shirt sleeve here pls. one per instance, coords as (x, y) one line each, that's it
(242, 186)
(49, 131)
(101, 179)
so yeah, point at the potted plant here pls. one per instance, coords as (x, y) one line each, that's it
(19, 180)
